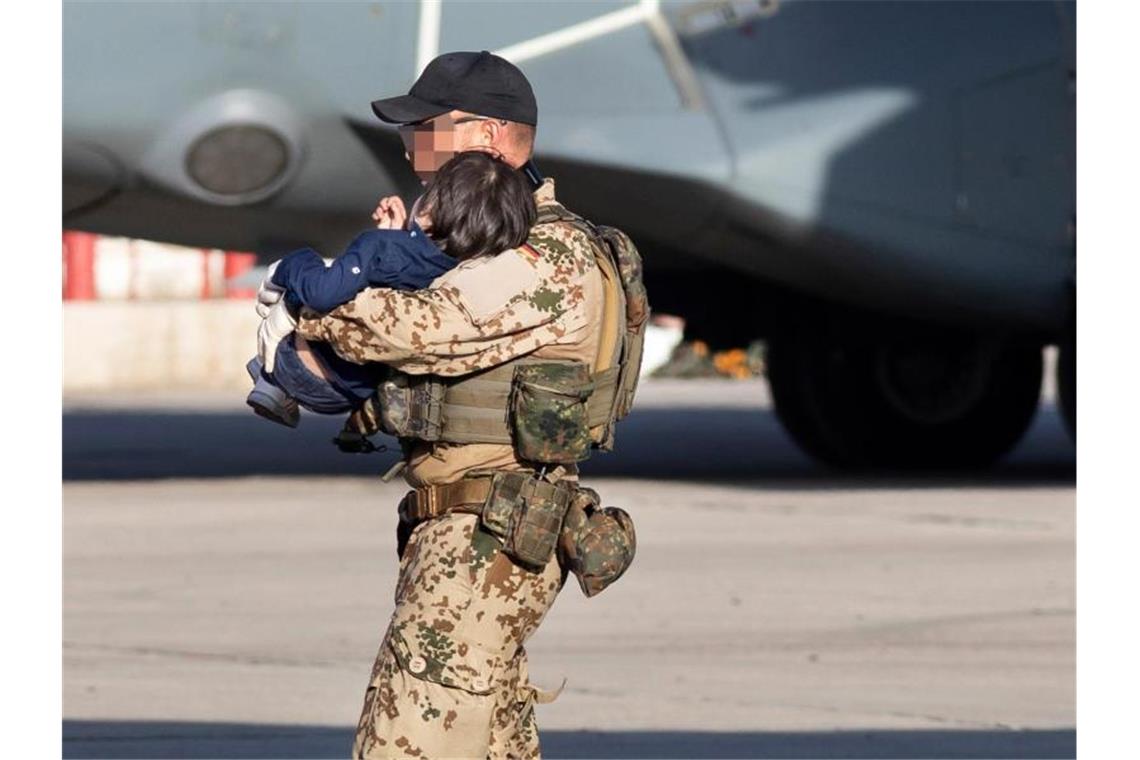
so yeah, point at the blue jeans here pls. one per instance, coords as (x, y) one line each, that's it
(347, 388)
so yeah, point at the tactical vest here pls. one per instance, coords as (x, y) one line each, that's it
(551, 411)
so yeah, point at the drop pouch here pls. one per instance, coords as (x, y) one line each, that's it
(596, 544)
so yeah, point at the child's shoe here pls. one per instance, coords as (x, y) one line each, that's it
(268, 400)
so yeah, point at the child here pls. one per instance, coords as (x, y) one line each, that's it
(474, 205)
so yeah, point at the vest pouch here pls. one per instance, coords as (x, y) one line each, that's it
(411, 406)
(526, 513)
(548, 412)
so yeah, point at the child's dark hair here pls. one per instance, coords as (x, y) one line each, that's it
(478, 205)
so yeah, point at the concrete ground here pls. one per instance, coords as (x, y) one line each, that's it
(226, 583)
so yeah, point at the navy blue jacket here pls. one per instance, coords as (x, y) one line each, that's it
(401, 259)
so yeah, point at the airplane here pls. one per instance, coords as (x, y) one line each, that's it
(883, 192)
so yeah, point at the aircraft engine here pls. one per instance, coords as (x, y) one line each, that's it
(236, 148)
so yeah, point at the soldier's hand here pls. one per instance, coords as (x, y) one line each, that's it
(390, 213)
(268, 294)
(277, 325)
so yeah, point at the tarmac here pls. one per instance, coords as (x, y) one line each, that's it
(227, 581)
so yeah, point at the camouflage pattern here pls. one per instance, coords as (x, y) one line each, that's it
(630, 370)
(525, 513)
(538, 521)
(537, 528)
(548, 412)
(623, 251)
(410, 406)
(627, 261)
(632, 274)
(406, 406)
(499, 510)
(450, 679)
(597, 545)
(629, 265)
(484, 312)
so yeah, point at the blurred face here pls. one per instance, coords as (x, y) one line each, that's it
(430, 143)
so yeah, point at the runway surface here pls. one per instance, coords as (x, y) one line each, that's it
(226, 583)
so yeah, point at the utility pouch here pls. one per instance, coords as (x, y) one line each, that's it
(410, 406)
(548, 411)
(525, 512)
(596, 544)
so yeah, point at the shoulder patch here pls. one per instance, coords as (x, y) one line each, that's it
(528, 251)
(488, 286)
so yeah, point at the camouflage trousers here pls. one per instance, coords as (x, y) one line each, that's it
(450, 679)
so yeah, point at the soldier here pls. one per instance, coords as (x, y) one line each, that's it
(505, 372)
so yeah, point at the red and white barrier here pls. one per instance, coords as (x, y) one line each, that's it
(101, 268)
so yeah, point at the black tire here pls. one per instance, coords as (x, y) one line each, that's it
(914, 399)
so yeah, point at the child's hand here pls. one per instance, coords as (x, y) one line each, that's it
(390, 214)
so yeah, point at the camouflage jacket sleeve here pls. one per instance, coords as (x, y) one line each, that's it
(484, 312)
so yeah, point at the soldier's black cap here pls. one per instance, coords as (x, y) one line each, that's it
(480, 83)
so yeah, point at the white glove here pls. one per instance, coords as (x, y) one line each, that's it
(268, 294)
(276, 326)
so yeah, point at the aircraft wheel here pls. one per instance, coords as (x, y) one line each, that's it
(1067, 381)
(913, 400)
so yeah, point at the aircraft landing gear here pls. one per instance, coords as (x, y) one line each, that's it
(915, 399)
(1067, 379)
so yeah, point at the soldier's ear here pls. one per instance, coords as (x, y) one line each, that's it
(495, 131)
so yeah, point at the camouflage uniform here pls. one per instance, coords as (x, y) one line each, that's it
(450, 679)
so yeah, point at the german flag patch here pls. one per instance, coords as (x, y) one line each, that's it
(530, 252)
